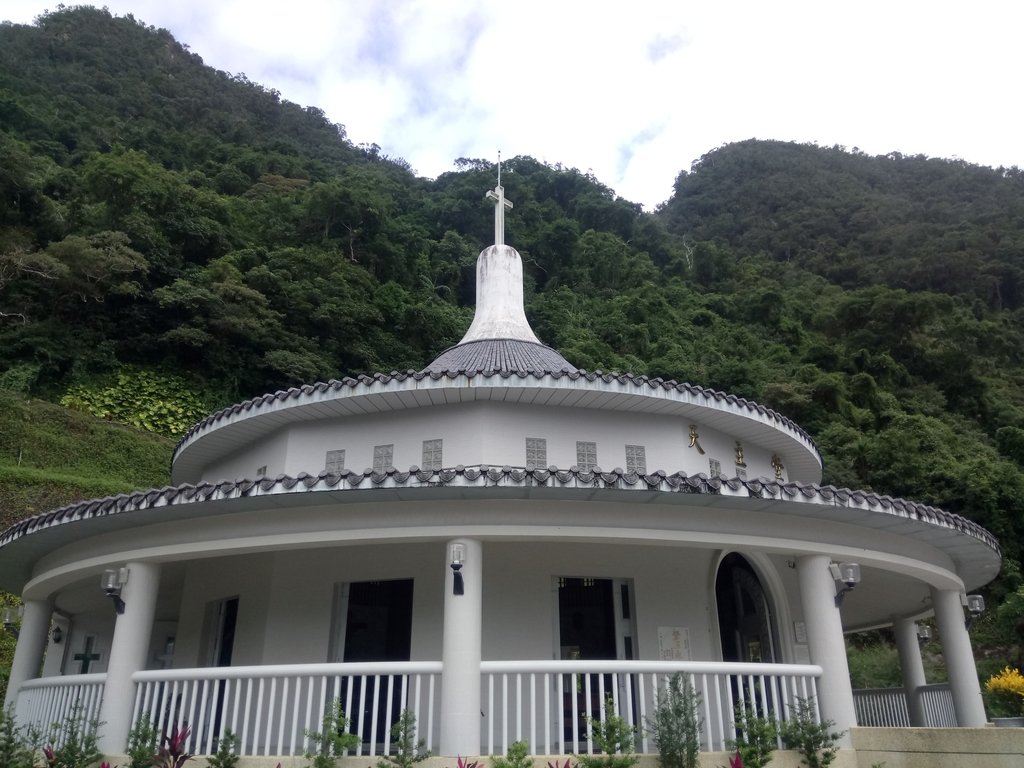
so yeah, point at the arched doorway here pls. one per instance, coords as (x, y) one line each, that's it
(744, 614)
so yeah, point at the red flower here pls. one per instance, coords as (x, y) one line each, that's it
(736, 761)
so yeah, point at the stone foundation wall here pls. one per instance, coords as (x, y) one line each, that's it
(939, 747)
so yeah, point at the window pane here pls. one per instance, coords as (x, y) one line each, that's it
(586, 455)
(383, 455)
(431, 454)
(335, 462)
(536, 452)
(636, 459)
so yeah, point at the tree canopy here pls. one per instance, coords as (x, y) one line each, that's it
(191, 231)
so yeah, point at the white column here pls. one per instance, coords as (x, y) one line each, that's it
(460, 653)
(956, 648)
(128, 650)
(909, 649)
(28, 653)
(825, 642)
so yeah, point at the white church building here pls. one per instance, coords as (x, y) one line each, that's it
(498, 542)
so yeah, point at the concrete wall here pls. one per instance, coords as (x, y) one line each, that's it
(939, 747)
(286, 598)
(493, 433)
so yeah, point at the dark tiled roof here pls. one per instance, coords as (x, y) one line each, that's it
(485, 476)
(282, 397)
(499, 355)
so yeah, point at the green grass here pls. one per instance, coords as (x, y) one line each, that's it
(51, 456)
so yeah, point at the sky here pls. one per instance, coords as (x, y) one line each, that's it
(632, 92)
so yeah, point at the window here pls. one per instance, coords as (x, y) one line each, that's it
(536, 452)
(383, 456)
(335, 462)
(431, 454)
(262, 471)
(636, 459)
(586, 455)
(715, 466)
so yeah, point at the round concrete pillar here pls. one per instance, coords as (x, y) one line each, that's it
(956, 648)
(128, 650)
(461, 651)
(28, 653)
(825, 642)
(911, 667)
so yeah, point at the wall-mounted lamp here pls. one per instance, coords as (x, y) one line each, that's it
(11, 615)
(924, 634)
(975, 605)
(57, 635)
(458, 557)
(112, 581)
(849, 574)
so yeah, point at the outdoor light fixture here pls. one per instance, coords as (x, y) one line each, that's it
(57, 635)
(112, 581)
(458, 556)
(975, 607)
(924, 634)
(11, 614)
(849, 574)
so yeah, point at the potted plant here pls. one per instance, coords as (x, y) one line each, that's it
(1005, 698)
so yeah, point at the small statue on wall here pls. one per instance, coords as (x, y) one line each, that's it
(739, 455)
(695, 439)
(777, 466)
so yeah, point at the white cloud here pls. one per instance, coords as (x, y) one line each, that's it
(634, 92)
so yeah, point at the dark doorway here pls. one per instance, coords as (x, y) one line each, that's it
(378, 627)
(594, 622)
(586, 619)
(378, 623)
(744, 616)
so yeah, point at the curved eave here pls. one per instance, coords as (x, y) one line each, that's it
(973, 550)
(245, 423)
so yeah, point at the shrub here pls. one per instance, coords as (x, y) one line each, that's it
(816, 742)
(1005, 693)
(225, 756)
(757, 737)
(330, 743)
(614, 737)
(516, 756)
(676, 724)
(408, 751)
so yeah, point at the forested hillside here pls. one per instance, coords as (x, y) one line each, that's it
(173, 238)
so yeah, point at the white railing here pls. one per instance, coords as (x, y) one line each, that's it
(937, 703)
(888, 707)
(881, 707)
(548, 703)
(48, 704)
(269, 708)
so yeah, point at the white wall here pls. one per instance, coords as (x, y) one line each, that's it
(246, 576)
(520, 604)
(494, 433)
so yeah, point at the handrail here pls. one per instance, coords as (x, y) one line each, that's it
(288, 670)
(667, 667)
(61, 681)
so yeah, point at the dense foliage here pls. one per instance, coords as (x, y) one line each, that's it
(157, 215)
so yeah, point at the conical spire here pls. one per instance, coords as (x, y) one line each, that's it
(500, 337)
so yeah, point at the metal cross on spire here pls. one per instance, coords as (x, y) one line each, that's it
(500, 204)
